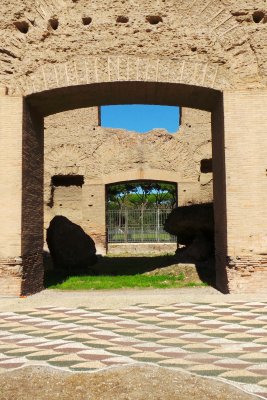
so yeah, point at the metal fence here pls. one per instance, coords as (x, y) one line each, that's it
(138, 226)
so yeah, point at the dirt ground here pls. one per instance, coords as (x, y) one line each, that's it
(122, 383)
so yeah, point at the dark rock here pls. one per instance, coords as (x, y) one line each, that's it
(71, 249)
(189, 222)
(201, 249)
(194, 227)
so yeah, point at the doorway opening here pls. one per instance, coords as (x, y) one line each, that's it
(127, 93)
(137, 211)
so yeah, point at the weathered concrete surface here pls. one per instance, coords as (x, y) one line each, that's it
(143, 382)
(223, 33)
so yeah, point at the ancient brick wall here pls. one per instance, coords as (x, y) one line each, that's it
(59, 55)
(211, 41)
(246, 156)
(11, 111)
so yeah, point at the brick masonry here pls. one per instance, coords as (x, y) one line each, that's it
(207, 56)
(245, 157)
(247, 273)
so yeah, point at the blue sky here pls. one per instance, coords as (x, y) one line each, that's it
(140, 118)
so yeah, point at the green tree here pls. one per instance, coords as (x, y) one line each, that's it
(142, 195)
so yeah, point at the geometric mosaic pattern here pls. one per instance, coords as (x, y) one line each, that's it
(227, 341)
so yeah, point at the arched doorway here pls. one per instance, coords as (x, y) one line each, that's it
(135, 215)
(25, 162)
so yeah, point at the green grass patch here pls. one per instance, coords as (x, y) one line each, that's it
(123, 281)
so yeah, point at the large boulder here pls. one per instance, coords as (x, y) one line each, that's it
(71, 249)
(189, 222)
(194, 227)
(199, 250)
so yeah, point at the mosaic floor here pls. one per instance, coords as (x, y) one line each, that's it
(223, 340)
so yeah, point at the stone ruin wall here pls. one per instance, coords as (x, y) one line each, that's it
(75, 144)
(219, 44)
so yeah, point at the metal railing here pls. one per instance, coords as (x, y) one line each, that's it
(138, 226)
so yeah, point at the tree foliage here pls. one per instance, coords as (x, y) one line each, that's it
(142, 195)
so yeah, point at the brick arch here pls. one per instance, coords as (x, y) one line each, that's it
(60, 99)
(63, 98)
(35, 106)
(123, 68)
(229, 138)
(212, 18)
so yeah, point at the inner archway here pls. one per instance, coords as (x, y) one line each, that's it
(39, 105)
(135, 214)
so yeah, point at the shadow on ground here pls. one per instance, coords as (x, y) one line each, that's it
(142, 264)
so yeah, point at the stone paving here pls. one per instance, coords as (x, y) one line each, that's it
(227, 341)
